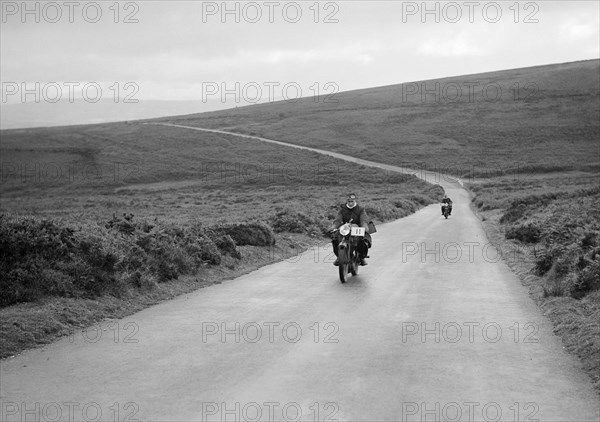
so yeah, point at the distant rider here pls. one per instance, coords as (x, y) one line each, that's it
(352, 211)
(448, 201)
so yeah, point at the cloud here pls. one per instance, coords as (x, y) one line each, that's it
(575, 30)
(460, 45)
(172, 51)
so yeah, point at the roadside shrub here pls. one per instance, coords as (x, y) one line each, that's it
(92, 266)
(478, 202)
(408, 206)
(142, 280)
(545, 260)
(134, 259)
(563, 265)
(514, 212)
(555, 286)
(56, 282)
(28, 237)
(588, 279)
(126, 225)
(519, 206)
(30, 249)
(420, 199)
(576, 270)
(291, 221)
(590, 239)
(225, 244)
(253, 234)
(205, 251)
(528, 233)
(566, 227)
(45, 258)
(20, 285)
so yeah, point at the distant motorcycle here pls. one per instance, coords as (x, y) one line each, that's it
(446, 210)
(348, 255)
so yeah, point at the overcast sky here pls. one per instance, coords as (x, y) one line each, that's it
(191, 50)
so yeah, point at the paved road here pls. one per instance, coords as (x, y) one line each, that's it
(436, 328)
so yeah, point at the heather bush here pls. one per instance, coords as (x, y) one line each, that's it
(588, 275)
(420, 199)
(292, 221)
(31, 253)
(563, 224)
(46, 258)
(515, 211)
(528, 233)
(224, 243)
(205, 251)
(253, 234)
(569, 238)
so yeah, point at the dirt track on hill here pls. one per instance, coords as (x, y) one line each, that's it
(436, 327)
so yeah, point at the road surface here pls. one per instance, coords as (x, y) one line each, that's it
(435, 328)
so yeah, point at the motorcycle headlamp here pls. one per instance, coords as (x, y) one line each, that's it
(345, 229)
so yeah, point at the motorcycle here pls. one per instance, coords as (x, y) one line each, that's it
(348, 255)
(446, 210)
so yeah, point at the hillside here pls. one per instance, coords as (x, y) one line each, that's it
(544, 118)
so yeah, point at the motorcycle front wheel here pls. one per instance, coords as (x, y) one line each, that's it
(343, 268)
(354, 266)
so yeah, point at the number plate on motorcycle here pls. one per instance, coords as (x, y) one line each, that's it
(358, 231)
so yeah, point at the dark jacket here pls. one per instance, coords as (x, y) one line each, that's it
(359, 217)
(356, 214)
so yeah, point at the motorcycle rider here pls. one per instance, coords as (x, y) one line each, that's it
(351, 211)
(446, 200)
